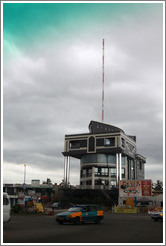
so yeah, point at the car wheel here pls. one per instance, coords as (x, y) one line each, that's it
(76, 221)
(97, 220)
(60, 222)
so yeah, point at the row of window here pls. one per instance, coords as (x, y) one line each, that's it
(99, 183)
(128, 172)
(101, 158)
(99, 142)
(101, 171)
(77, 144)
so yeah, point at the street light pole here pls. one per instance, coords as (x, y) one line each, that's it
(24, 184)
(24, 172)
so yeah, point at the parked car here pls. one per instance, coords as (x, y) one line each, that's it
(157, 215)
(59, 205)
(6, 207)
(55, 205)
(80, 214)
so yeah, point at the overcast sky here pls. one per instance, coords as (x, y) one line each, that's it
(52, 82)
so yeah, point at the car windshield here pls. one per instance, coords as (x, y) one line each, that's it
(75, 209)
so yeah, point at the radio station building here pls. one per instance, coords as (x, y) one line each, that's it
(107, 154)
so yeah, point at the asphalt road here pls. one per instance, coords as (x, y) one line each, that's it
(115, 228)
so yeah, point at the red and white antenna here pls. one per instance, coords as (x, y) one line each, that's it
(103, 84)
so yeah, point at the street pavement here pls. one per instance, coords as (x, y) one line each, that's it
(115, 228)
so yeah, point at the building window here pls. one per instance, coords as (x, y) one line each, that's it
(83, 143)
(101, 171)
(77, 144)
(113, 172)
(93, 158)
(83, 173)
(91, 144)
(89, 172)
(101, 158)
(123, 142)
(104, 171)
(123, 173)
(98, 158)
(105, 142)
(128, 168)
(98, 182)
(100, 142)
(101, 182)
(97, 171)
(82, 183)
(140, 166)
(109, 141)
(111, 159)
(113, 183)
(89, 182)
(132, 169)
(74, 144)
(123, 160)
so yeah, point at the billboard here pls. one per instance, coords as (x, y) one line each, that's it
(146, 188)
(134, 188)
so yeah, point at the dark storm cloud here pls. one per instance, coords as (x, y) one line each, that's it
(54, 89)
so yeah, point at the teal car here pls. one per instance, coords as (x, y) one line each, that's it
(81, 214)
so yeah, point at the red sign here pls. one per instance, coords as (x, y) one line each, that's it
(146, 188)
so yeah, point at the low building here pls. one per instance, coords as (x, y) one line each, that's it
(35, 190)
(107, 154)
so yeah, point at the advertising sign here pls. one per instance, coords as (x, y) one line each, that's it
(129, 202)
(134, 188)
(132, 210)
(21, 199)
(146, 188)
(130, 188)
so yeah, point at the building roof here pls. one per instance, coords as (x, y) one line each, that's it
(96, 127)
(100, 127)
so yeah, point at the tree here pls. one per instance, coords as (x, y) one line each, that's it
(48, 181)
(158, 186)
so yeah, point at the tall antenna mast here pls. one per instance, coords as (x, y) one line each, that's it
(103, 85)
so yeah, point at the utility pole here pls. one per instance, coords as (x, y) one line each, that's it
(24, 184)
(103, 84)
